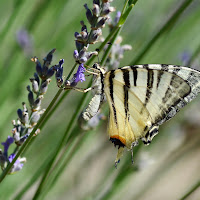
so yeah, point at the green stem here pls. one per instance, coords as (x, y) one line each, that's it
(25, 145)
(163, 28)
(196, 186)
(61, 144)
(125, 5)
(60, 167)
(194, 56)
(105, 56)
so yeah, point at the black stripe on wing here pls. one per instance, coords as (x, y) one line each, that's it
(135, 74)
(111, 77)
(126, 77)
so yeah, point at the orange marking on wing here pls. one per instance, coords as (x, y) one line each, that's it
(122, 139)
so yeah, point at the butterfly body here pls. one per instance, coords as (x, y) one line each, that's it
(141, 98)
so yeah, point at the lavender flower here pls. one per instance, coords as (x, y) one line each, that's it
(59, 73)
(4, 158)
(7, 144)
(185, 57)
(25, 41)
(80, 74)
(78, 77)
(23, 126)
(92, 123)
(97, 18)
(17, 165)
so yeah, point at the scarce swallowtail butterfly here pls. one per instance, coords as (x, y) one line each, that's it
(141, 98)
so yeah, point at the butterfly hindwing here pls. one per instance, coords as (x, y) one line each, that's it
(126, 122)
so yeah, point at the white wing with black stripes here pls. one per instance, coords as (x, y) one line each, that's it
(142, 97)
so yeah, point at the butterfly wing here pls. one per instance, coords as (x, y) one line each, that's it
(142, 97)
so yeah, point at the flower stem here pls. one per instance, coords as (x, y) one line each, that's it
(160, 32)
(25, 145)
(61, 144)
(196, 186)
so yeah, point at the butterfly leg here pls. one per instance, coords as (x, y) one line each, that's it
(119, 155)
(133, 145)
(150, 135)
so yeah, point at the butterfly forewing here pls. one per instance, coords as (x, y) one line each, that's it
(144, 96)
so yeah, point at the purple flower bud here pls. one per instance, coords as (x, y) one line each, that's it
(185, 57)
(118, 15)
(34, 118)
(6, 145)
(38, 67)
(76, 55)
(30, 96)
(17, 165)
(82, 52)
(50, 73)
(37, 103)
(59, 72)
(83, 59)
(79, 46)
(80, 74)
(84, 35)
(94, 36)
(35, 86)
(25, 41)
(101, 23)
(44, 72)
(96, 2)
(19, 113)
(37, 78)
(48, 58)
(107, 9)
(84, 27)
(88, 14)
(96, 10)
(44, 86)
(78, 36)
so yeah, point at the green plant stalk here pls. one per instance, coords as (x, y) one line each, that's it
(47, 161)
(38, 192)
(160, 32)
(196, 186)
(125, 5)
(43, 117)
(33, 179)
(182, 7)
(59, 169)
(105, 56)
(77, 146)
(21, 150)
(124, 17)
(194, 56)
(59, 148)
(41, 121)
(113, 32)
(125, 170)
(67, 92)
(116, 33)
(10, 22)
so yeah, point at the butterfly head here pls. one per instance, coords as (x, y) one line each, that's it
(99, 68)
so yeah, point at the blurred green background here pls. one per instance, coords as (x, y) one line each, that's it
(166, 169)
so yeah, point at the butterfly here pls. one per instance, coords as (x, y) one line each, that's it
(141, 98)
